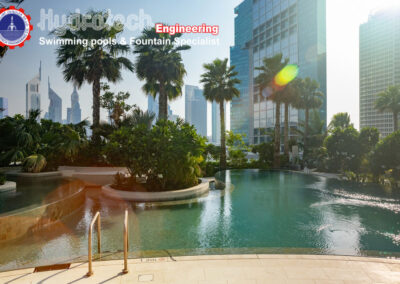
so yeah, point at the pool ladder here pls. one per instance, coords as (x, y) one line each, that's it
(126, 242)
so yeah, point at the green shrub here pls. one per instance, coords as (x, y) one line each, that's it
(34, 164)
(167, 155)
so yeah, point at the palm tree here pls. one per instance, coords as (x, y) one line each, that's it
(290, 98)
(268, 71)
(310, 98)
(92, 63)
(160, 65)
(219, 85)
(389, 100)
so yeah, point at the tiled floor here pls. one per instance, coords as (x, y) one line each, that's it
(241, 269)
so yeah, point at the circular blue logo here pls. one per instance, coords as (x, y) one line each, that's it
(14, 27)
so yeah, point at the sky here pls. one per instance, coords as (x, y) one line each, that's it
(343, 20)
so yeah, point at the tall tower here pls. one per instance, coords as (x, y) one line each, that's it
(196, 109)
(379, 66)
(295, 28)
(74, 113)
(55, 106)
(32, 98)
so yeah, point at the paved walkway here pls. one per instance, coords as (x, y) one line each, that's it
(243, 269)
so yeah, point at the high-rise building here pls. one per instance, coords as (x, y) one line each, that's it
(216, 123)
(379, 66)
(152, 107)
(241, 109)
(196, 109)
(32, 97)
(74, 113)
(264, 28)
(55, 106)
(3, 107)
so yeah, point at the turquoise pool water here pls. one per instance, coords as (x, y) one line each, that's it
(259, 211)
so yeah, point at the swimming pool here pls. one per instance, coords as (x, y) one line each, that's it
(258, 212)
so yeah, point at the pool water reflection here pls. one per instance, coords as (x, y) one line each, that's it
(259, 211)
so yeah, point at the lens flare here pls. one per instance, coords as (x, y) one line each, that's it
(286, 75)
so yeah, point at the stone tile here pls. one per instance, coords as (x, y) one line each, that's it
(346, 274)
(329, 282)
(304, 273)
(223, 273)
(384, 276)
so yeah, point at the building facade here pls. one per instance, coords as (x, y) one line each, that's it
(379, 66)
(74, 113)
(241, 109)
(55, 106)
(3, 107)
(32, 98)
(153, 107)
(294, 28)
(216, 123)
(196, 109)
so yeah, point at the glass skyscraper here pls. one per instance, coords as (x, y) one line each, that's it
(3, 107)
(295, 28)
(196, 109)
(55, 106)
(379, 66)
(74, 113)
(32, 98)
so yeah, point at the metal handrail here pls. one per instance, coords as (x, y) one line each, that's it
(96, 217)
(126, 243)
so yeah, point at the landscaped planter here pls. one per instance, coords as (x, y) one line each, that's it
(92, 176)
(8, 186)
(188, 193)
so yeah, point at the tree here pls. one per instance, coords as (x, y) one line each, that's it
(310, 98)
(93, 62)
(290, 98)
(386, 157)
(237, 149)
(161, 66)
(115, 103)
(340, 120)
(343, 149)
(389, 101)
(219, 85)
(265, 81)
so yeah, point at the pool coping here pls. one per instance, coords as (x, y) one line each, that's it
(188, 193)
(245, 268)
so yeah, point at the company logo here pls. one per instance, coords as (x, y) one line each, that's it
(15, 27)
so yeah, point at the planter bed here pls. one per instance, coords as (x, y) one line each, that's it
(188, 193)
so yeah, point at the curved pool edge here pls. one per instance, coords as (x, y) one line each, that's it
(211, 268)
(17, 223)
(174, 195)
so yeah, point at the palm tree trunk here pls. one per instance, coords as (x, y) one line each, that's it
(396, 121)
(286, 131)
(96, 108)
(306, 132)
(222, 159)
(277, 144)
(162, 104)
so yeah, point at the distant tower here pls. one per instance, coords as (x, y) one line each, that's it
(32, 97)
(55, 107)
(74, 113)
(12, 26)
(196, 109)
(379, 66)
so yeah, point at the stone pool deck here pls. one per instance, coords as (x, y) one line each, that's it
(243, 269)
